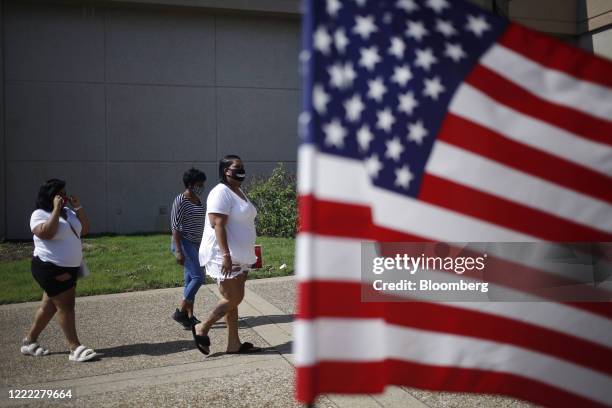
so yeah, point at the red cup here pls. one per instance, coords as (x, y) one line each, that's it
(259, 263)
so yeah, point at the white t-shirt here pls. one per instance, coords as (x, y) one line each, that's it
(64, 249)
(240, 227)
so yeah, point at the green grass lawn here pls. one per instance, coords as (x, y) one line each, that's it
(125, 264)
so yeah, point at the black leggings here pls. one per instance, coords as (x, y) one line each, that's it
(45, 274)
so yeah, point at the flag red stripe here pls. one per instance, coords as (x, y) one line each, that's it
(343, 299)
(554, 54)
(346, 220)
(497, 210)
(362, 377)
(493, 145)
(518, 276)
(521, 100)
(355, 221)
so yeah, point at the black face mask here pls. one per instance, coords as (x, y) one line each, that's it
(237, 174)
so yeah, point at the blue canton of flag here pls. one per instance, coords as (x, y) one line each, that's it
(385, 72)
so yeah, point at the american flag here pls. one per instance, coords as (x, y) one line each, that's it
(434, 120)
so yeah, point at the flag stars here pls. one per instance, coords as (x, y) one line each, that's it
(416, 30)
(385, 120)
(398, 47)
(353, 108)
(394, 148)
(369, 58)
(320, 99)
(477, 25)
(407, 103)
(341, 76)
(417, 132)
(364, 137)
(401, 75)
(373, 166)
(403, 177)
(336, 75)
(333, 6)
(334, 134)
(425, 58)
(433, 88)
(376, 89)
(446, 28)
(437, 5)
(364, 26)
(340, 40)
(322, 40)
(407, 5)
(454, 52)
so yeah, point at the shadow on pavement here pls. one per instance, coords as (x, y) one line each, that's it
(253, 321)
(284, 348)
(149, 349)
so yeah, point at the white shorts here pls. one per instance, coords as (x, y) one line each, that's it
(214, 270)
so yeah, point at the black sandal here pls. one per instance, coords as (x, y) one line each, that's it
(202, 342)
(245, 348)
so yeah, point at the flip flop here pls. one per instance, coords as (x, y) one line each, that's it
(202, 342)
(82, 354)
(245, 348)
(34, 349)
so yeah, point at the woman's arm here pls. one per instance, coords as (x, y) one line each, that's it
(178, 247)
(176, 221)
(217, 222)
(48, 229)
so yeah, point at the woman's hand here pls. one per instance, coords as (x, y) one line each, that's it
(180, 258)
(58, 202)
(226, 268)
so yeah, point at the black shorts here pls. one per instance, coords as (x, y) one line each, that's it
(45, 272)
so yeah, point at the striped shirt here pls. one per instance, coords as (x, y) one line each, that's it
(187, 218)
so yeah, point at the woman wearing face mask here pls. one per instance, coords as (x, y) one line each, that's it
(227, 251)
(187, 220)
(58, 254)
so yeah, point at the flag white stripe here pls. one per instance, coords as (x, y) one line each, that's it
(393, 210)
(464, 167)
(373, 340)
(550, 84)
(474, 105)
(323, 258)
(340, 267)
(324, 175)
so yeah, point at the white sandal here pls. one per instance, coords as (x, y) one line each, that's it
(34, 349)
(81, 354)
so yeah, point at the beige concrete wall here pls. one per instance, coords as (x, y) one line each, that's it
(602, 43)
(550, 16)
(562, 17)
(599, 43)
(580, 22)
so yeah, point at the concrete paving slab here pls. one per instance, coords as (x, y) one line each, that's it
(280, 292)
(148, 360)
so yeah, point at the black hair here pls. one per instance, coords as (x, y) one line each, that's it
(193, 176)
(224, 164)
(47, 192)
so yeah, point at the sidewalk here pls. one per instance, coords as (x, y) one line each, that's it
(148, 360)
